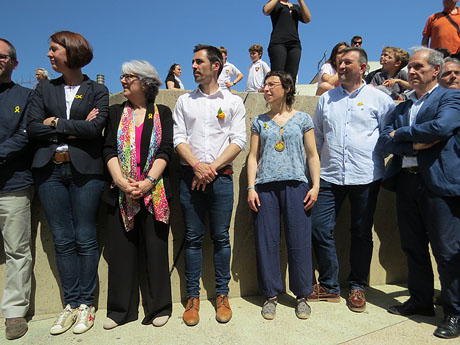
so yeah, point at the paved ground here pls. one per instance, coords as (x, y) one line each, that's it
(330, 323)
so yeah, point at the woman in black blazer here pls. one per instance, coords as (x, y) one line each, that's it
(65, 122)
(137, 149)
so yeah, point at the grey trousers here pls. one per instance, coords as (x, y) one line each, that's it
(15, 227)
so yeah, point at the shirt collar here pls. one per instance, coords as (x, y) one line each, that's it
(218, 93)
(354, 93)
(413, 95)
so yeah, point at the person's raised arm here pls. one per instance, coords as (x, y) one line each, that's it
(425, 41)
(306, 16)
(269, 7)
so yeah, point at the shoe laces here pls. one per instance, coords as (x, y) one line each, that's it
(223, 298)
(83, 311)
(64, 314)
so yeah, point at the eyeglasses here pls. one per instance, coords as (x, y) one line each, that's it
(4, 57)
(271, 85)
(129, 77)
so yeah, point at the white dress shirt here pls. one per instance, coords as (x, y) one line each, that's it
(196, 123)
(347, 127)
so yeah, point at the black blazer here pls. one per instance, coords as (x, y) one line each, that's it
(165, 150)
(49, 101)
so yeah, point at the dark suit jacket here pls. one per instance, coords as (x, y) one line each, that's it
(49, 101)
(165, 150)
(438, 119)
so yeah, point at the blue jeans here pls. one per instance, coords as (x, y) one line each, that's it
(363, 199)
(217, 202)
(70, 201)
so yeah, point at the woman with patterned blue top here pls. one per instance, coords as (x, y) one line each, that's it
(280, 183)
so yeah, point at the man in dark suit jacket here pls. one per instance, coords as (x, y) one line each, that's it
(423, 136)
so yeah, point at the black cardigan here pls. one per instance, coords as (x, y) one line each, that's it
(165, 150)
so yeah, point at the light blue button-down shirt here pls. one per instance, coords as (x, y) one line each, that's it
(347, 127)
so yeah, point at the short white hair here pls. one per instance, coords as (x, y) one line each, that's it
(147, 74)
(434, 59)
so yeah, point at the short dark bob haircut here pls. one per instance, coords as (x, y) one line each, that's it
(78, 50)
(213, 54)
(287, 83)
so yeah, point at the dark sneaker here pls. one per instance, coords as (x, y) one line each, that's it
(269, 308)
(302, 309)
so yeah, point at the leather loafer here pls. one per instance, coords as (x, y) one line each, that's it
(356, 301)
(321, 294)
(223, 313)
(191, 316)
(15, 327)
(408, 309)
(450, 328)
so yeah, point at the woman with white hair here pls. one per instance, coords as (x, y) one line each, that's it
(138, 147)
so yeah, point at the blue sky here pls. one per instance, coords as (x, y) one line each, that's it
(163, 32)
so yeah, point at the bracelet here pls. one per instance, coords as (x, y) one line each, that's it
(251, 188)
(151, 179)
(196, 164)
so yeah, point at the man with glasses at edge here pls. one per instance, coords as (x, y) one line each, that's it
(16, 194)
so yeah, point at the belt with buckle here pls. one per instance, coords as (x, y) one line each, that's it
(61, 157)
(411, 170)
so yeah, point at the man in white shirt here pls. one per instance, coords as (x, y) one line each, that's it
(348, 121)
(228, 72)
(209, 132)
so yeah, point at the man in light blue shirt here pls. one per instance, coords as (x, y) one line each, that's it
(348, 121)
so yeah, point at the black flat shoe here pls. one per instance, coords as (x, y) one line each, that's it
(407, 309)
(450, 328)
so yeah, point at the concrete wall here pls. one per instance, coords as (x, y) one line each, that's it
(388, 263)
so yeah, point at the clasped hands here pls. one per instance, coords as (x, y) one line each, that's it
(135, 189)
(204, 173)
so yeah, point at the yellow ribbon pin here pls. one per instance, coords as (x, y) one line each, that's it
(17, 109)
(150, 116)
(78, 96)
(360, 103)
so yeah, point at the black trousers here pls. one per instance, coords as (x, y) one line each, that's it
(138, 258)
(285, 57)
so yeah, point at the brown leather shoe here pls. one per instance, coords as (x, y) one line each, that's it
(191, 316)
(16, 327)
(321, 294)
(224, 313)
(356, 301)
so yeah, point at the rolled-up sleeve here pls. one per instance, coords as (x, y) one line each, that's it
(237, 133)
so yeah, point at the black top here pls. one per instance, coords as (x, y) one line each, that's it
(172, 78)
(14, 161)
(285, 22)
(84, 138)
(165, 150)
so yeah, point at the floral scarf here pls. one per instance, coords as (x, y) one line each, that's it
(155, 202)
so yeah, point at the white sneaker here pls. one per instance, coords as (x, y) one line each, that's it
(64, 321)
(85, 319)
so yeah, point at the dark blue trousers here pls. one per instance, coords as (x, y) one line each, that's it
(363, 199)
(283, 198)
(424, 217)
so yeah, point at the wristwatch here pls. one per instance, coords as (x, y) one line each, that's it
(151, 179)
(53, 122)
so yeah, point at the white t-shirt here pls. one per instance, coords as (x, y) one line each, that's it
(256, 74)
(228, 72)
(328, 69)
(70, 93)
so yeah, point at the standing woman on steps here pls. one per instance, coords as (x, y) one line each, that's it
(65, 123)
(279, 183)
(137, 150)
(285, 49)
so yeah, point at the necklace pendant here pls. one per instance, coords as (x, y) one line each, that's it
(280, 146)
